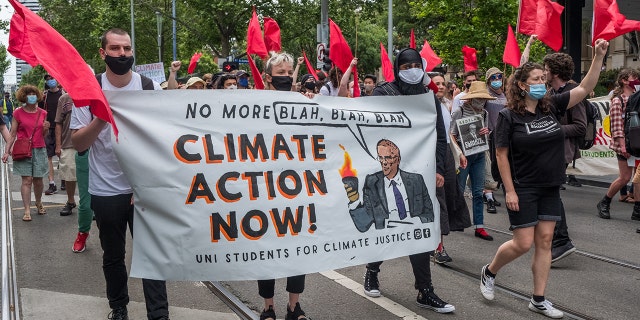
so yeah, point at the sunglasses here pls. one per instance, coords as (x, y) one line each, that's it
(495, 77)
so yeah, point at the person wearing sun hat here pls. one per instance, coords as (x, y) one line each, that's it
(495, 85)
(196, 83)
(473, 106)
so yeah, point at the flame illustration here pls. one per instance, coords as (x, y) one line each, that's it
(347, 170)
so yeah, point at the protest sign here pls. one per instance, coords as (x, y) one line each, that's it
(155, 71)
(471, 141)
(239, 184)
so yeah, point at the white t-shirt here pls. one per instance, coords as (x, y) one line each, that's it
(333, 92)
(105, 175)
(457, 103)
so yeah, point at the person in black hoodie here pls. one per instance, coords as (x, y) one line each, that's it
(410, 79)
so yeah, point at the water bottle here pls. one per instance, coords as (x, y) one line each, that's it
(634, 121)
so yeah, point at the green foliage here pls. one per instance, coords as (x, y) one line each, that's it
(5, 63)
(35, 77)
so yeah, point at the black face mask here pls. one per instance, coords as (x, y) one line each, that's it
(282, 83)
(119, 65)
(467, 85)
(310, 85)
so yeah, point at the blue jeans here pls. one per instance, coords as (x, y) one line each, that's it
(475, 172)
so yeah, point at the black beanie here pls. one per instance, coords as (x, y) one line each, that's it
(409, 56)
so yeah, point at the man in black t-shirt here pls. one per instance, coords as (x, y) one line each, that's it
(50, 104)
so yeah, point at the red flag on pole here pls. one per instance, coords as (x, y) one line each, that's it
(272, 35)
(255, 73)
(527, 15)
(339, 50)
(412, 42)
(549, 23)
(428, 54)
(36, 42)
(194, 62)
(255, 42)
(470, 58)
(310, 68)
(608, 22)
(387, 67)
(511, 53)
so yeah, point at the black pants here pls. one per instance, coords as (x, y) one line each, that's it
(420, 266)
(561, 232)
(113, 215)
(266, 288)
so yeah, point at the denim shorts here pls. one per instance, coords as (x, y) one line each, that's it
(536, 204)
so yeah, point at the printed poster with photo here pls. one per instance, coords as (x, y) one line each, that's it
(471, 141)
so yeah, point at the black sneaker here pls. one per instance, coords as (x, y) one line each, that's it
(603, 209)
(119, 314)
(63, 185)
(268, 314)
(296, 314)
(68, 209)
(635, 215)
(496, 202)
(572, 181)
(491, 207)
(371, 284)
(52, 189)
(441, 257)
(562, 251)
(429, 300)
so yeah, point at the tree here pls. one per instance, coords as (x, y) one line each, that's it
(5, 63)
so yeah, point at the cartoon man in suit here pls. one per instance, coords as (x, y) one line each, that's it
(391, 196)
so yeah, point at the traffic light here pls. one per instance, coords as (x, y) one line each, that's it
(229, 66)
(327, 63)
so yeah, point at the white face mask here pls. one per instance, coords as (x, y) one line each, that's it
(637, 86)
(477, 103)
(232, 87)
(411, 76)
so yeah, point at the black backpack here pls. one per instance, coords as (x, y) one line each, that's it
(593, 115)
(632, 135)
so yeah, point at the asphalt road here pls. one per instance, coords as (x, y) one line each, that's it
(56, 283)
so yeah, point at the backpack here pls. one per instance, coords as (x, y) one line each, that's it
(632, 135)
(593, 115)
(147, 83)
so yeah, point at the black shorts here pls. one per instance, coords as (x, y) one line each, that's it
(536, 204)
(50, 142)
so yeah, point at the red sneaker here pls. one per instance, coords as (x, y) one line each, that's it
(482, 234)
(81, 242)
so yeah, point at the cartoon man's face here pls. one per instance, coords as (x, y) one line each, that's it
(389, 160)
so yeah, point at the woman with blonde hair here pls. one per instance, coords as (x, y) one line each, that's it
(30, 122)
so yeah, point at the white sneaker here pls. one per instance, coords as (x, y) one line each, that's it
(486, 284)
(545, 307)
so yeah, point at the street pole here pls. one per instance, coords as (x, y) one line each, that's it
(159, 21)
(390, 31)
(133, 34)
(173, 14)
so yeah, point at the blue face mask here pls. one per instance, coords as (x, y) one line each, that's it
(32, 99)
(496, 84)
(52, 83)
(244, 82)
(537, 91)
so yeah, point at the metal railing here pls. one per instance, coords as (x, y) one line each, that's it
(10, 297)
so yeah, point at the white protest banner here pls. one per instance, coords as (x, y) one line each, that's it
(155, 71)
(471, 141)
(600, 159)
(240, 184)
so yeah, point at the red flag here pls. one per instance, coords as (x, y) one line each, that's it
(339, 50)
(36, 42)
(310, 68)
(412, 42)
(511, 53)
(356, 83)
(272, 35)
(194, 62)
(387, 67)
(608, 22)
(255, 42)
(257, 76)
(470, 58)
(548, 25)
(430, 56)
(527, 15)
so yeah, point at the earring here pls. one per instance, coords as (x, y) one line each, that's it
(523, 93)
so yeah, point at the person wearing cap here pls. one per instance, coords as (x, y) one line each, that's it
(530, 153)
(493, 79)
(243, 79)
(308, 84)
(409, 80)
(195, 83)
(50, 103)
(473, 107)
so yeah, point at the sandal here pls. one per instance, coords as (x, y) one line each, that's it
(268, 314)
(296, 314)
(41, 210)
(627, 198)
(26, 217)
